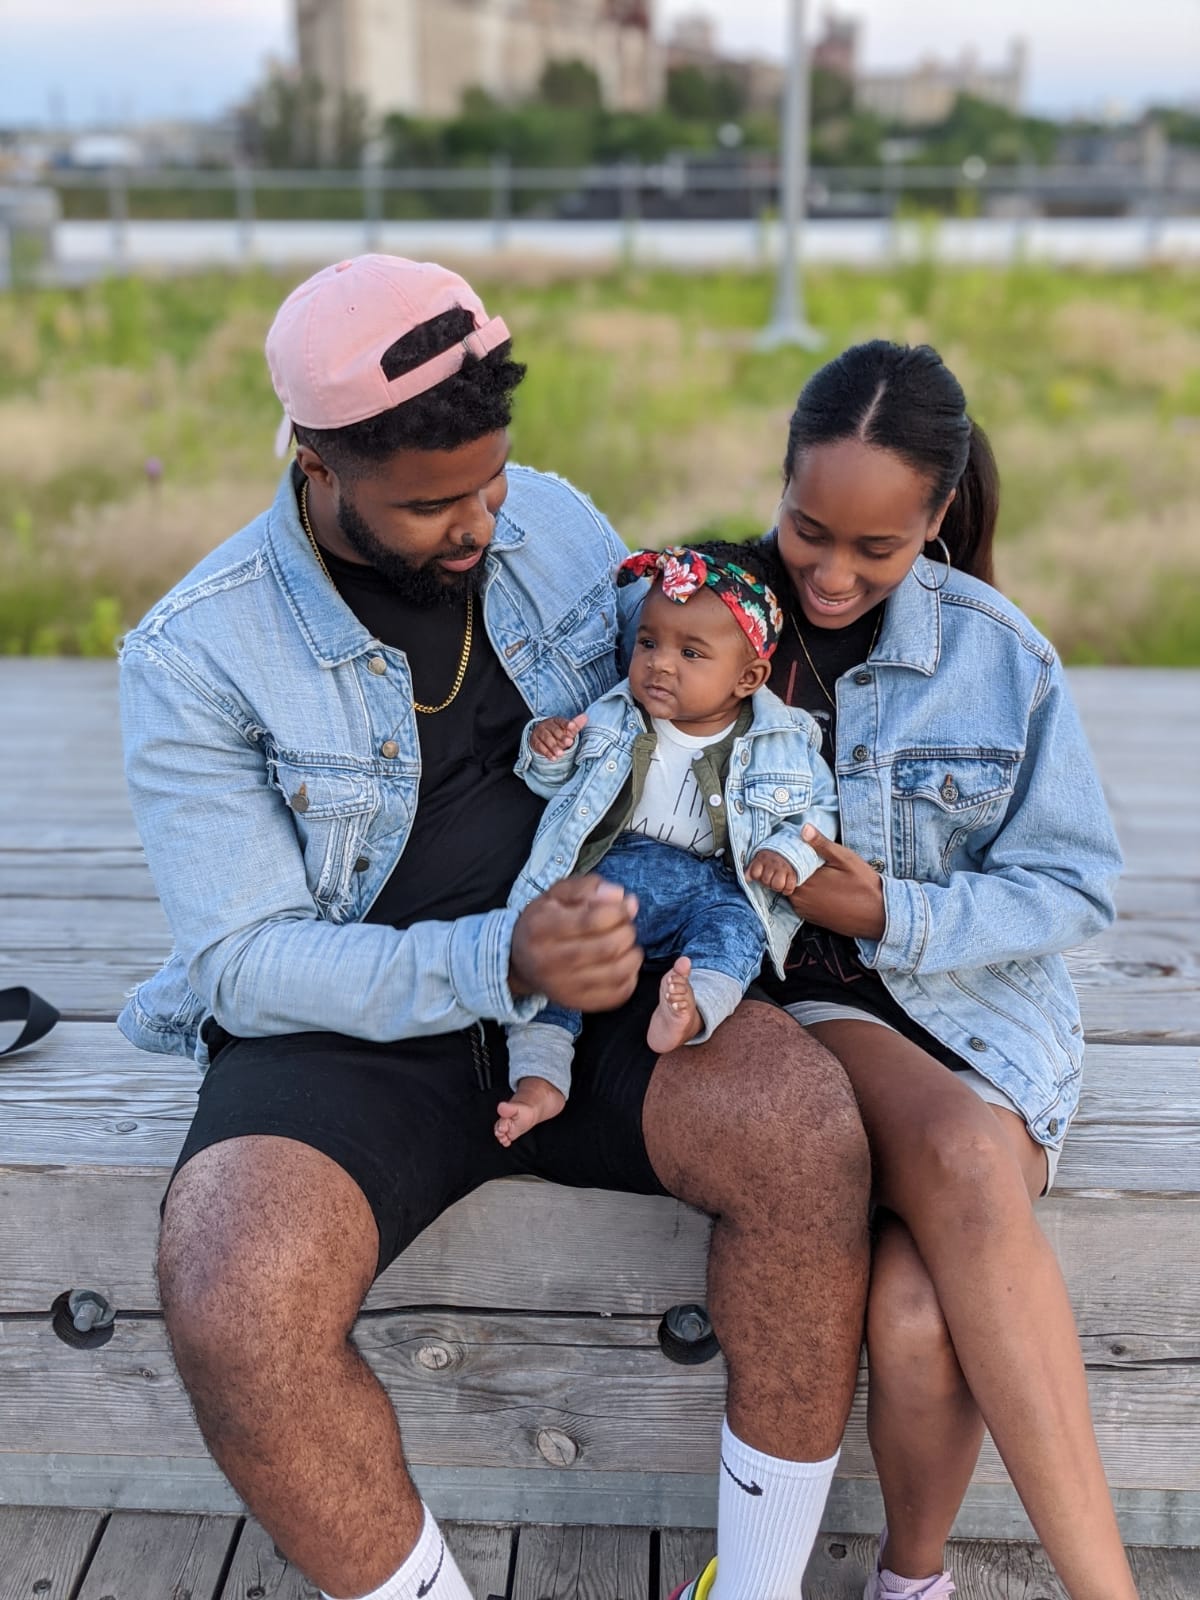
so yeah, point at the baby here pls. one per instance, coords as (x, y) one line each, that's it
(688, 785)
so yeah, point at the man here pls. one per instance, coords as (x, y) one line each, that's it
(321, 722)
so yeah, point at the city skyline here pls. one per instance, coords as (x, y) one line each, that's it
(84, 62)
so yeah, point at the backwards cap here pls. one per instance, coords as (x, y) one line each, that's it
(326, 345)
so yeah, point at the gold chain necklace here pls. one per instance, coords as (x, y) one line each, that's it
(812, 665)
(468, 631)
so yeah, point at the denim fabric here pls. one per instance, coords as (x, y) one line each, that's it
(776, 783)
(687, 906)
(272, 758)
(965, 778)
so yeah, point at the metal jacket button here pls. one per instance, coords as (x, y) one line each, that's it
(949, 790)
(781, 795)
(377, 665)
(361, 864)
(877, 863)
(977, 1044)
(862, 677)
(300, 800)
(390, 749)
(860, 752)
(1052, 1127)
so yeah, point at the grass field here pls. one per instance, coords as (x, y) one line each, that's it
(645, 389)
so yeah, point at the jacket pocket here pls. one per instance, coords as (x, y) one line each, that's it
(777, 797)
(331, 808)
(939, 801)
(583, 642)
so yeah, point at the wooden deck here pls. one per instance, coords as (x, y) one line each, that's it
(534, 1391)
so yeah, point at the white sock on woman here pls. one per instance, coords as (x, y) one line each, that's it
(429, 1571)
(768, 1517)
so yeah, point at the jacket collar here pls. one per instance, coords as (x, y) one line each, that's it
(330, 629)
(911, 635)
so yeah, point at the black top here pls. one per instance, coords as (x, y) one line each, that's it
(475, 819)
(822, 965)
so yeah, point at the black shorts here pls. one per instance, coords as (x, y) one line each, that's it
(411, 1122)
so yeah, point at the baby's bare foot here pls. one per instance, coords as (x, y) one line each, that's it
(534, 1100)
(676, 1018)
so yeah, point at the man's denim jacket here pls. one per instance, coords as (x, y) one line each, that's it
(776, 782)
(272, 757)
(964, 777)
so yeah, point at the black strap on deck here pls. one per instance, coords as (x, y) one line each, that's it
(37, 1016)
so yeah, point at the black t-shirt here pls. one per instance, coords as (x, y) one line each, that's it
(475, 819)
(822, 965)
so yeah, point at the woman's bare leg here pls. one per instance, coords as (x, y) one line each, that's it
(947, 1167)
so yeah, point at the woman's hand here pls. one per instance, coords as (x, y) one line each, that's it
(554, 736)
(844, 895)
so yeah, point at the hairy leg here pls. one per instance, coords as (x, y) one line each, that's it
(267, 1251)
(960, 1181)
(758, 1127)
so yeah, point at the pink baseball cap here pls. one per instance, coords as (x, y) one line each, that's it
(329, 337)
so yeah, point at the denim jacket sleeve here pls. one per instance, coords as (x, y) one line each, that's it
(1048, 878)
(229, 871)
(543, 776)
(822, 812)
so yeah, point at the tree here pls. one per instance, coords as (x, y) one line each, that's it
(570, 86)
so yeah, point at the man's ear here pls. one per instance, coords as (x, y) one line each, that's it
(313, 467)
(752, 677)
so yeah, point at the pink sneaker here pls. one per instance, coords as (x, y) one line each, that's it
(884, 1585)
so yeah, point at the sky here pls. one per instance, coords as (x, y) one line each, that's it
(85, 61)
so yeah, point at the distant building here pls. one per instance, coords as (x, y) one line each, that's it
(694, 43)
(836, 50)
(925, 94)
(418, 56)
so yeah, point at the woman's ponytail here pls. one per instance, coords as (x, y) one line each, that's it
(969, 525)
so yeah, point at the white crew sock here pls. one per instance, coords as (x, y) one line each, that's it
(768, 1516)
(429, 1571)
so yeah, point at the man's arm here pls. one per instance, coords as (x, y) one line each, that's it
(223, 850)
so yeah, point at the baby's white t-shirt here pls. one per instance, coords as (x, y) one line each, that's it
(672, 809)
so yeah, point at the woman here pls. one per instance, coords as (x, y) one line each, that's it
(975, 846)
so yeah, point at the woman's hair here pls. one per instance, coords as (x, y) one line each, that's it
(471, 403)
(904, 399)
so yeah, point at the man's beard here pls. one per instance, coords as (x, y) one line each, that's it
(425, 585)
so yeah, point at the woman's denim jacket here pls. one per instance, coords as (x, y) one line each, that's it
(776, 782)
(964, 777)
(272, 757)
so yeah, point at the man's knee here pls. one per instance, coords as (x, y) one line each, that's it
(765, 1101)
(260, 1236)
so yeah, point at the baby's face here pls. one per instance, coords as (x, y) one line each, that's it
(690, 662)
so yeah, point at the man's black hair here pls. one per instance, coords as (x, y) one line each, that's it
(473, 402)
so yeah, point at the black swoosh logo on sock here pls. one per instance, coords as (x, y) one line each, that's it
(750, 1488)
(424, 1588)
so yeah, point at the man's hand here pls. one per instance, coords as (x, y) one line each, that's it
(577, 945)
(554, 736)
(844, 895)
(773, 871)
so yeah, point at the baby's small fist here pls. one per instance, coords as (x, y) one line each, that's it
(554, 736)
(773, 871)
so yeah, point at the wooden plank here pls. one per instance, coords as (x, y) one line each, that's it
(582, 1563)
(143, 1553)
(1166, 1574)
(682, 1554)
(258, 1572)
(63, 1099)
(44, 1551)
(506, 1391)
(483, 1551)
(73, 874)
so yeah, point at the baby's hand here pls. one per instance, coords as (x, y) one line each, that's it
(554, 736)
(773, 871)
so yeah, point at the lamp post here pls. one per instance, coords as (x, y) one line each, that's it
(787, 325)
